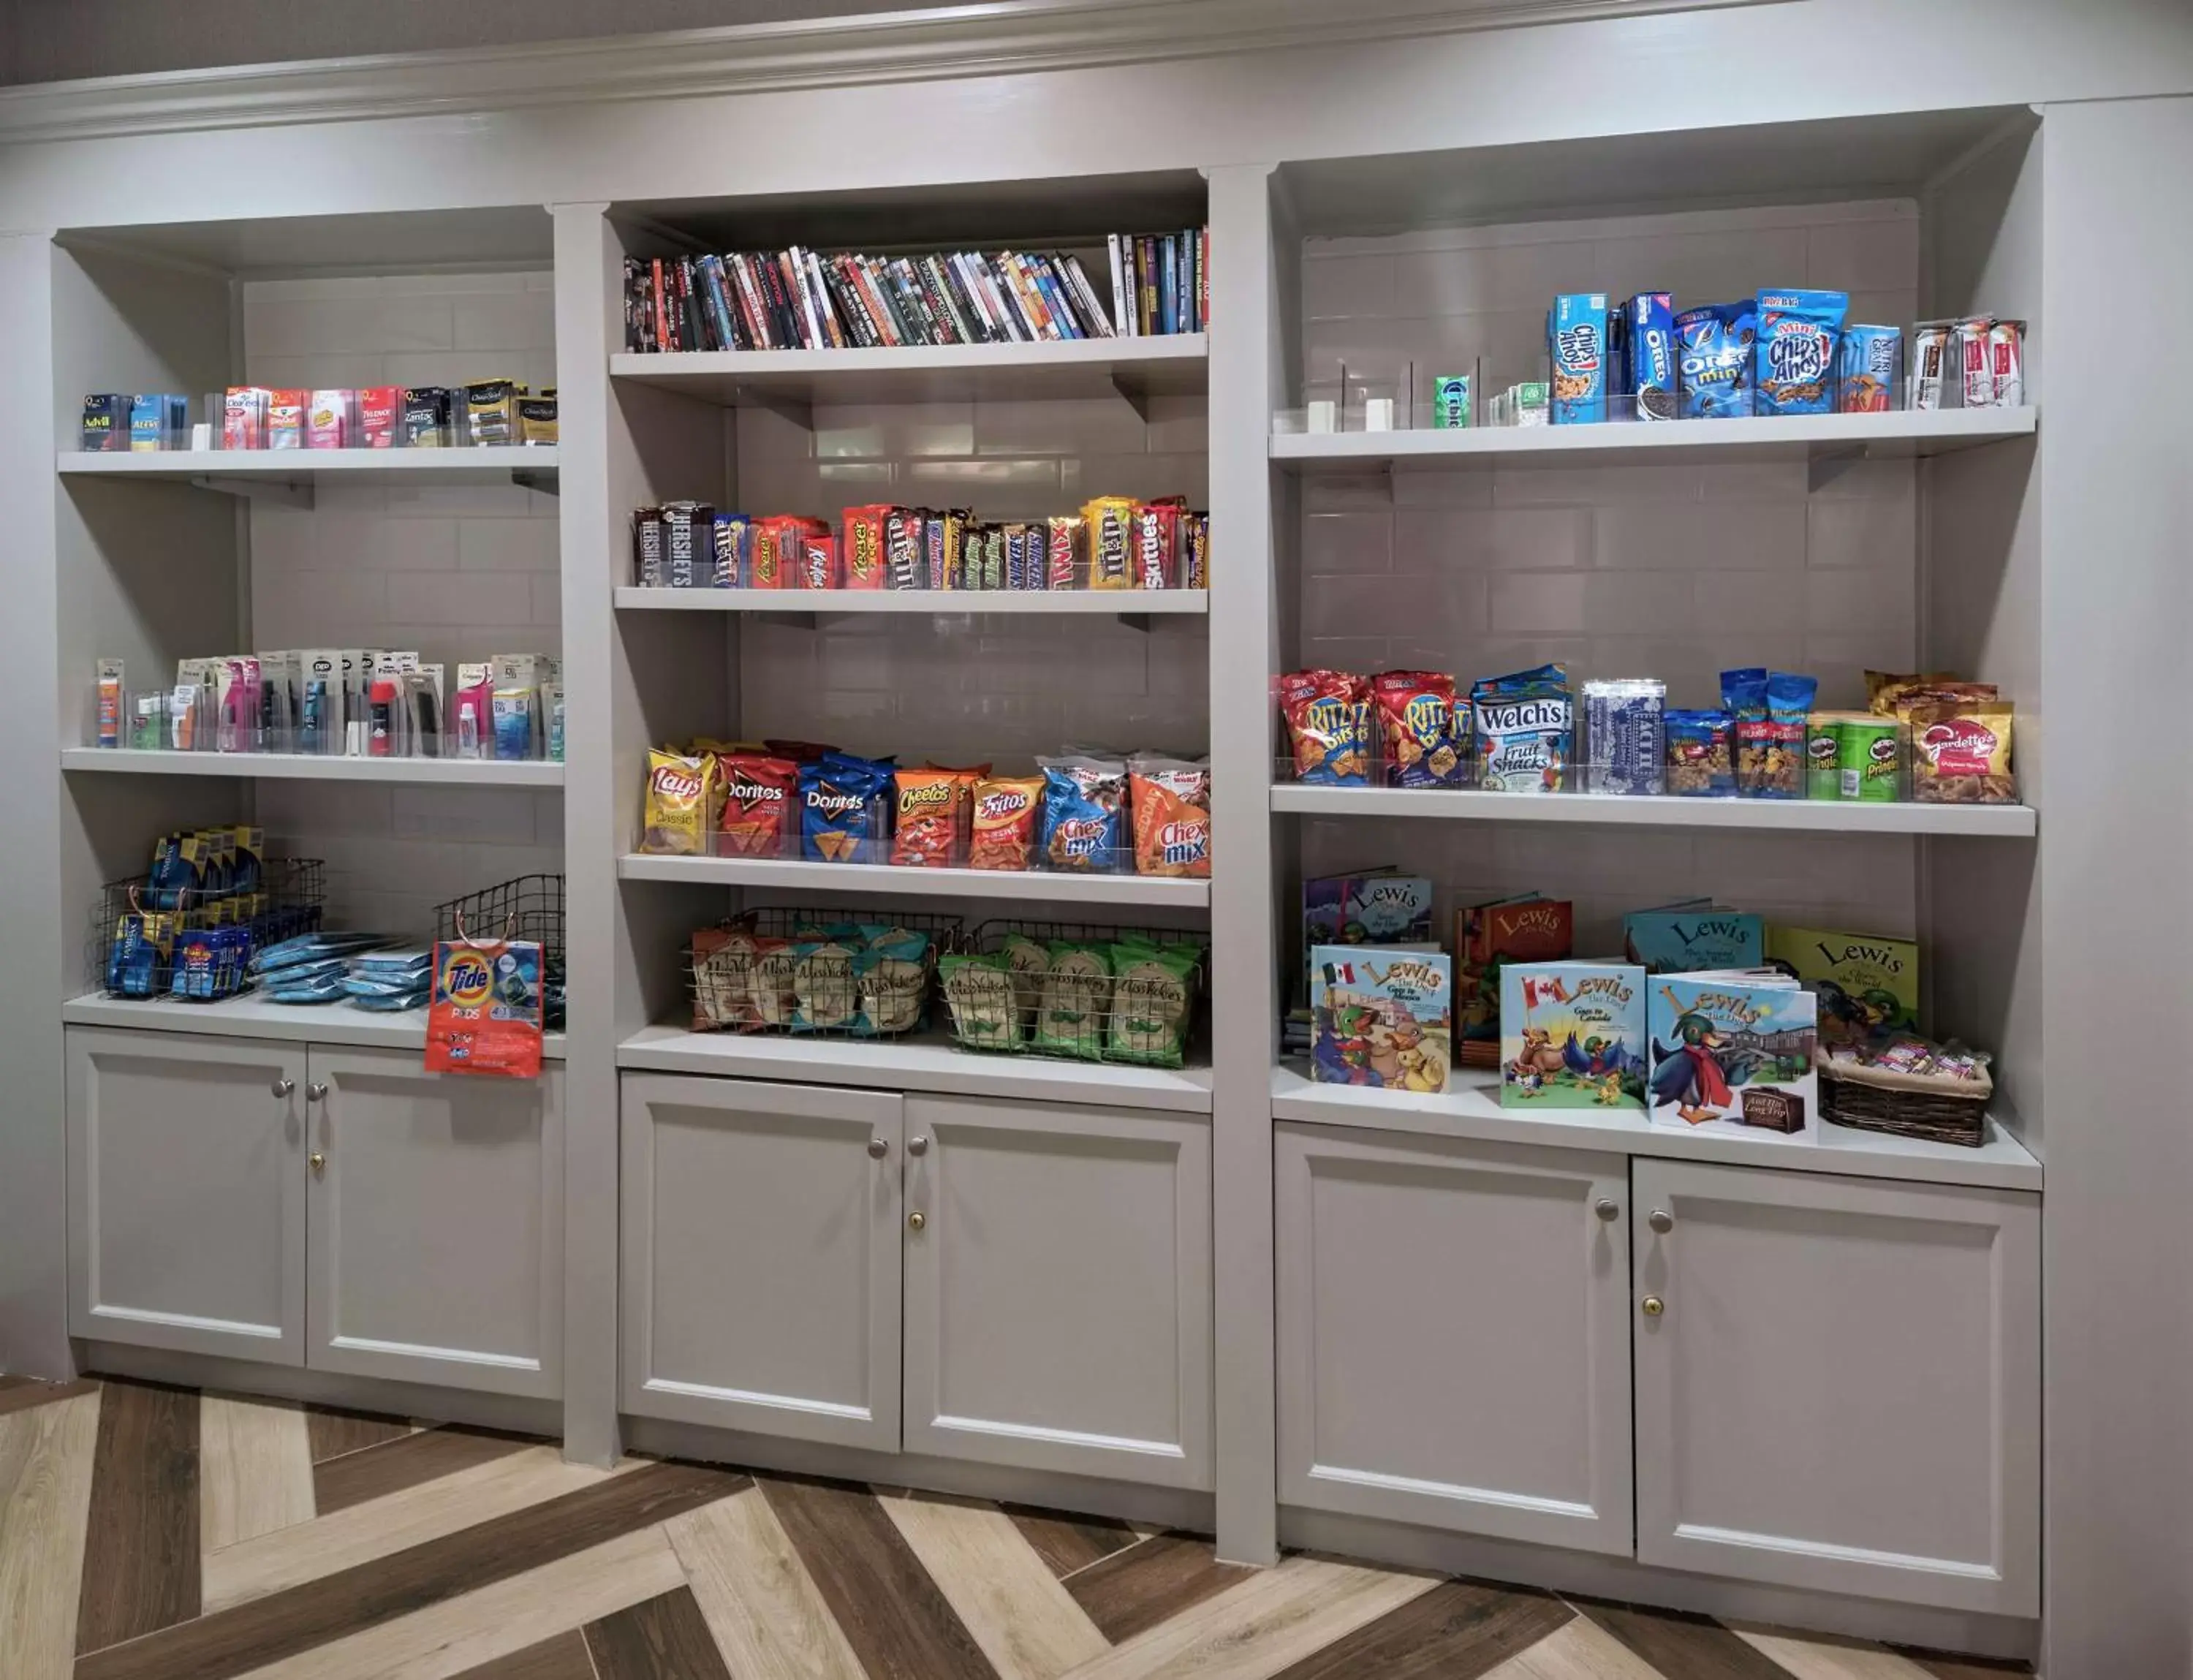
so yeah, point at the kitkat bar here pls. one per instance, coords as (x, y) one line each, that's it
(819, 561)
(381, 416)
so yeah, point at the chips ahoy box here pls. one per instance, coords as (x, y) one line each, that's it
(1576, 342)
(1798, 334)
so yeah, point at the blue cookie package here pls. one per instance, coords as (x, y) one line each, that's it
(1576, 344)
(1798, 334)
(1714, 357)
(1649, 350)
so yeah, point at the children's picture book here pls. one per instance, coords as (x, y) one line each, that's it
(1371, 907)
(1867, 984)
(1572, 1036)
(1486, 936)
(1380, 1017)
(1685, 938)
(1736, 1052)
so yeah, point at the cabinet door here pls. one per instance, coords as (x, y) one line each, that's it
(1058, 1289)
(187, 1193)
(1841, 1390)
(1454, 1334)
(437, 1223)
(761, 1258)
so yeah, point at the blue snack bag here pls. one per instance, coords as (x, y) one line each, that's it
(1798, 335)
(1576, 343)
(1650, 351)
(1083, 827)
(1714, 360)
(844, 808)
(1701, 748)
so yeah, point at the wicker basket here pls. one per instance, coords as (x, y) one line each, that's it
(1908, 1105)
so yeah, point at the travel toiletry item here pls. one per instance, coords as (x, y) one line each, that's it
(381, 416)
(429, 411)
(285, 418)
(472, 710)
(111, 692)
(244, 417)
(107, 421)
(331, 420)
(513, 716)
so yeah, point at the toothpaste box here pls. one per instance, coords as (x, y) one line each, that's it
(1576, 345)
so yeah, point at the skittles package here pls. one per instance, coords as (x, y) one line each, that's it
(845, 809)
(1799, 332)
(1714, 360)
(1421, 743)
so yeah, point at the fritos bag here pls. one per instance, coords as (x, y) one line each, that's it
(1005, 818)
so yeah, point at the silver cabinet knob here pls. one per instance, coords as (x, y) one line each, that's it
(878, 1148)
(283, 1088)
(316, 1093)
(1607, 1207)
(916, 1146)
(1661, 1220)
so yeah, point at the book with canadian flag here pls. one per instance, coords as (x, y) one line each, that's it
(1573, 1035)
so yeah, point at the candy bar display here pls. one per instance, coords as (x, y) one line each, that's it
(1078, 813)
(341, 702)
(495, 412)
(801, 299)
(1114, 542)
(1930, 737)
(1087, 993)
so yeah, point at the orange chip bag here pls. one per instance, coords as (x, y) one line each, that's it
(926, 804)
(680, 806)
(964, 780)
(1005, 816)
(1172, 804)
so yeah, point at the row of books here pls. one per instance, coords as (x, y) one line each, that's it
(800, 299)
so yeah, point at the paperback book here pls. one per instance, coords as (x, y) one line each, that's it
(1371, 907)
(1868, 985)
(1572, 1036)
(1697, 934)
(1736, 1052)
(1486, 938)
(1380, 1017)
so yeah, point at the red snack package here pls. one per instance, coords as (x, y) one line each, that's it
(863, 547)
(1417, 746)
(1005, 818)
(1170, 801)
(1328, 715)
(964, 780)
(381, 414)
(1157, 555)
(819, 561)
(803, 752)
(927, 806)
(761, 805)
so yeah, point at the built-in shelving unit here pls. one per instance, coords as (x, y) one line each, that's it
(1030, 887)
(833, 603)
(256, 1017)
(1661, 811)
(249, 472)
(1132, 368)
(318, 767)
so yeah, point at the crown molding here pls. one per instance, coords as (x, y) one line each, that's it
(997, 39)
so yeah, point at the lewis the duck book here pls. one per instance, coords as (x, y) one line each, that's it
(1572, 1036)
(1381, 1015)
(1736, 1052)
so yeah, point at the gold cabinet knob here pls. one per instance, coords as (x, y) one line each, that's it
(320, 1163)
(1654, 1306)
(917, 1220)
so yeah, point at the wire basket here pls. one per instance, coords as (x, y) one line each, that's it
(1077, 991)
(529, 907)
(127, 955)
(817, 972)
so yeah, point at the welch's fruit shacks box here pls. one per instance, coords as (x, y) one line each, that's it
(1736, 1052)
(1382, 1016)
(1572, 1036)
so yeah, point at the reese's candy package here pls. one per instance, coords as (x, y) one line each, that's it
(681, 805)
(926, 818)
(1419, 744)
(845, 809)
(864, 546)
(1170, 801)
(1006, 808)
(1083, 805)
(1328, 719)
(761, 797)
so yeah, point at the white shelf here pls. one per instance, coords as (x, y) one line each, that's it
(238, 470)
(1902, 433)
(926, 1061)
(1126, 603)
(1132, 368)
(315, 767)
(1471, 1109)
(253, 1017)
(1659, 810)
(898, 880)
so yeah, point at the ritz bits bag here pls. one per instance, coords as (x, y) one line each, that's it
(1328, 719)
(1170, 801)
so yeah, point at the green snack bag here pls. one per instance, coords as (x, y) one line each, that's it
(1077, 998)
(979, 991)
(1153, 992)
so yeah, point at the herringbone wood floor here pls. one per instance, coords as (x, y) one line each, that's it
(158, 1533)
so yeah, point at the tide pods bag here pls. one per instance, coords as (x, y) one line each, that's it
(1799, 334)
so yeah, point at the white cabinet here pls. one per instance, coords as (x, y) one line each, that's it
(436, 1224)
(1058, 1288)
(186, 1177)
(339, 1209)
(1453, 1334)
(1838, 1384)
(761, 1258)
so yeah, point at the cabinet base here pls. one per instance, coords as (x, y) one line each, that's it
(1090, 1495)
(1590, 1575)
(543, 1417)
